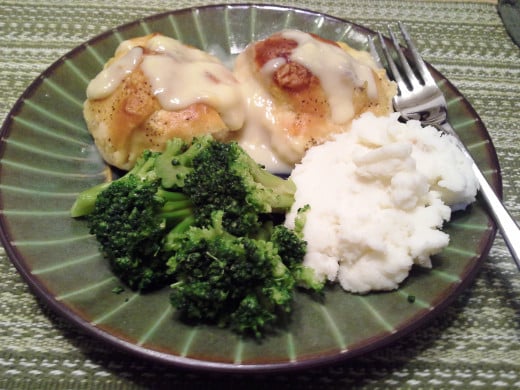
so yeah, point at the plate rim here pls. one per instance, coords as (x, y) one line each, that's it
(40, 290)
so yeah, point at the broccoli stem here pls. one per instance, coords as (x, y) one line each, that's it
(183, 226)
(174, 217)
(170, 240)
(176, 205)
(173, 200)
(301, 218)
(86, 200)
(171, 196)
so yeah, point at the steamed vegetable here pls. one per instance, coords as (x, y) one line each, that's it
(203, 217)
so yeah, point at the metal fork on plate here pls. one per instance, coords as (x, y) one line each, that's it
(420, 98)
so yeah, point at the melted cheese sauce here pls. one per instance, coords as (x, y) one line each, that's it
(179, 75)
(106, 82)
(254, 137)
(337, 71)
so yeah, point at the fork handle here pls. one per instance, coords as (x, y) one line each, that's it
(508, 227)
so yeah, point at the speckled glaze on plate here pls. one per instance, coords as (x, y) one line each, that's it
(47, 157)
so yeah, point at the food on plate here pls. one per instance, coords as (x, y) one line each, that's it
(300, 89)
(244, 283)
(203, 216)
(285, 94)
(224, 177)
(154, 89)
(199, 211)
(129, 218)
(377, 198)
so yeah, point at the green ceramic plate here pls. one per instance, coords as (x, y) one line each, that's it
(47, 157)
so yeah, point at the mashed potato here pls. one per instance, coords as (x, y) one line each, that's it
(379, 195)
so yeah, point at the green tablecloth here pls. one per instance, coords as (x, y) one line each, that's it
(474, 344)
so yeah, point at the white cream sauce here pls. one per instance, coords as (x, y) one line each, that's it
(179, 75)
(257, 143)
(255, 137)
(182, 75)
(337, 71)
(109, 78)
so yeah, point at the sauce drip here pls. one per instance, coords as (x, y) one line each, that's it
(179, 76)
(337, 71)
(106, 82)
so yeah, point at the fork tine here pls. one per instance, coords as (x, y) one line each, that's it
(418, 60)
(373, 52)
(401, 83)
(410, 75)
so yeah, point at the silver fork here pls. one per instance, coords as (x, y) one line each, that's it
(420, 98)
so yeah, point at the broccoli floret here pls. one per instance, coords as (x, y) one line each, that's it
(222, 176)
(200, 216)
(292, 249)
(176, 161)
(226, 178)
(86, 200)
(130, 217)
(236, 282)
(301, 219)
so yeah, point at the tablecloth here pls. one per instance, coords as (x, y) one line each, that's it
(475, 343)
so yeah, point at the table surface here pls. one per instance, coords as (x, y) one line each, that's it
(475, 343)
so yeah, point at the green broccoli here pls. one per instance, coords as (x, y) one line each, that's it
(203, 217)
(292, 249)
(301, 219)
(130, 217)
(237, 282)
(226, 178)
(86, 200)
(176, 161)
(290, 241)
